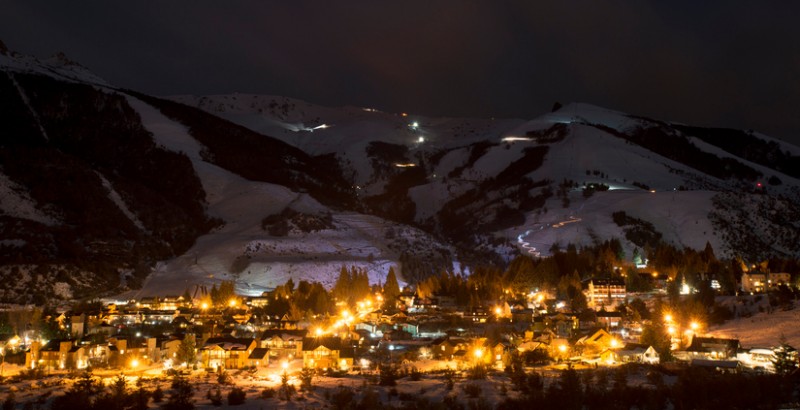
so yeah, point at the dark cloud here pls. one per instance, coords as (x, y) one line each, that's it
(728, 63)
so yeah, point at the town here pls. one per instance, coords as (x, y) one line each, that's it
(447, 329)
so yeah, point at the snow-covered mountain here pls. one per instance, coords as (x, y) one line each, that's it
(105, 189)
(553, 180)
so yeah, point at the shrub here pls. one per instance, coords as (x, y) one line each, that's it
(473, 390)
(215, 398)
(158, 394)
(236, 396)
(415, 374)
(224, 378)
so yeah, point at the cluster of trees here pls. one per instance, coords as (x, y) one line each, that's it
(695, 388)
(89, 392)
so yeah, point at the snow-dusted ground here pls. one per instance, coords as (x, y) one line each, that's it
(358, 240)
(15, 202)
(762, 329)
(679, 215)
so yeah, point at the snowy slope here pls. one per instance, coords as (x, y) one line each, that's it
(358, 240)
(15, 202)
(585, 154)
(762, 329)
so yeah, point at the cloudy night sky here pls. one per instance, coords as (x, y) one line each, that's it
(728, 64)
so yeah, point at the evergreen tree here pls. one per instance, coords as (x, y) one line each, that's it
(343, 285)
(140, 396)
(391, 289)
(187, 351)
(180, 397)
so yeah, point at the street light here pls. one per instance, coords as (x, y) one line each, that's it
(478, 355)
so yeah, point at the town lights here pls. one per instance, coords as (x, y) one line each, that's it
(318, 332)
(562, 348)
(284, 366)
(232, 303)
(478, 353)
(668, 318)
(694, 326)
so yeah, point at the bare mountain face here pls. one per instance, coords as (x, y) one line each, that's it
(106, 190)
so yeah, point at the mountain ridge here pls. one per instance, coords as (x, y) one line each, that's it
(169, 193)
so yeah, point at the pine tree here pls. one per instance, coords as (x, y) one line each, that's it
(187, 351)
(181, 397)
(391, 289)
(342, 288)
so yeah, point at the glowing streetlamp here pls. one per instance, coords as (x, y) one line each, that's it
(232, 303)
(284, 366)
(668, 318)
(694, 326)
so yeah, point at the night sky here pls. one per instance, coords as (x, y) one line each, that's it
(729, 63)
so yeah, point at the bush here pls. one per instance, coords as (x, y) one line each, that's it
(479, 372)
(215, 398)
(224, 378)
(236, 396)
(158, 394)
(388, 375)
(267, 393)
(342, 398)
(415, 374)
(473, 390)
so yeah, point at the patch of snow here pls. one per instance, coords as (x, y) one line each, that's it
(113, 195)
(15, 202)
(762, 329)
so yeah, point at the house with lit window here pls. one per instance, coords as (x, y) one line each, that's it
(227, 352)
(259, 357)
(327, 353)
(757, 282)
(710, 348)
(283, 343)
(605, 292)
(637, 353)
(54, 355)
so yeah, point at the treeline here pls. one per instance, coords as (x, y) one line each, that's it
(694, 388)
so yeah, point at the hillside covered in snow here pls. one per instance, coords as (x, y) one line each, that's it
(106, 190)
